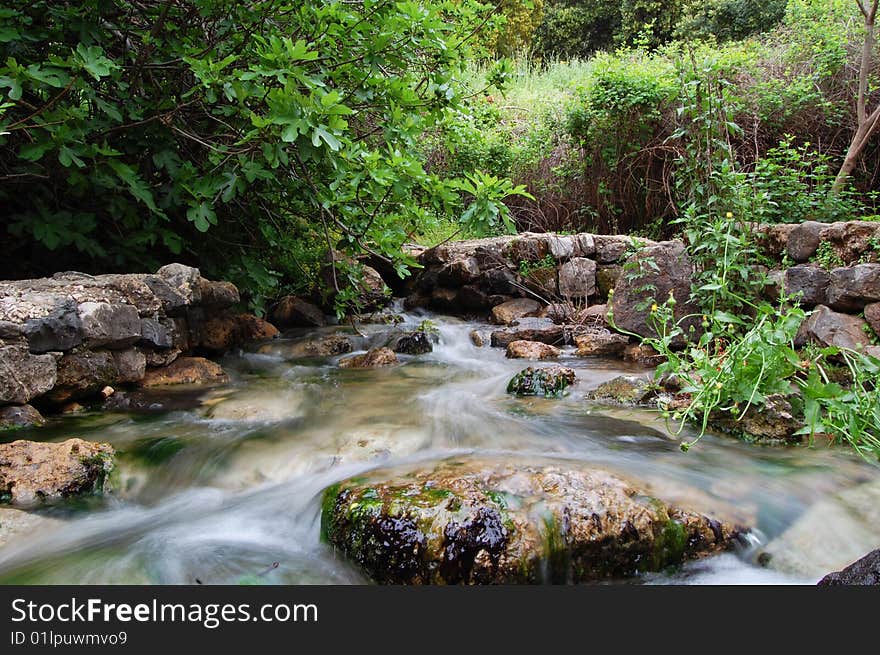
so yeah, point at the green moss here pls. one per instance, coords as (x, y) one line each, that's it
(328, 509)
(670, 544)
(155, 451)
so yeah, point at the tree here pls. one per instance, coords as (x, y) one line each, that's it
(867, 123)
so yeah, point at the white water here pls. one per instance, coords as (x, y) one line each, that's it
(222, 492)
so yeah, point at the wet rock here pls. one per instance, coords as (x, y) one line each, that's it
(865, 571)
(184, 281)
(17, 524)
(530, 329)
(480, 338)
(657, 271)
(20, 416)
(471, 298)
(155, 334)
(323, 346)
(531, 350)
(374, 358)
(23, 375)
(156, 358)
(507, 312)
(577, 278)
(417, 342)
(599, 341)
(33, 473)
(825, 328)
(223, 333)
(259, 406)
(809, 283)
(550, 382)
(131, 365)
(445, 300)
(217, 296)
(803, 240)
(252, 329)
(82, 374)
(510, 522)
(296, 312)
(501, 281)
(854, 287)
(186, 370)
(109, 326)
(773, 421)
(459, 272)
(625, 390)
(642, 354)
(60, 329)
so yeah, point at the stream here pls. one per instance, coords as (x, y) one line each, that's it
(226, 490)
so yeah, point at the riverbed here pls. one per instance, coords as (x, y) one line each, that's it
(223, 485)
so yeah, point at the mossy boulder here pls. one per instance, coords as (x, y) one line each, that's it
(624, 390)
(551, 381)
(488, 522)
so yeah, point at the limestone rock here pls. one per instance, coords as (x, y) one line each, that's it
(577, 278)
(374, 358)
(296, 312)
(828, 328)
(109, 326)
(24, 376)
(531, 350)
(507, 312)
(186, 370)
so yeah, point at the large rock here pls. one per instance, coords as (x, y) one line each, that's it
(296, 312)
(156, 334)
(329, 345)
(531, 350)
(577, 278)
(82, 374)
(186, 370)
(872, 316)
(825, 328)
(607, 277)
(227, 331)
(416, 342)
(32, 473)
(131, 365)
(543, 281)
(374, 358)
(510, 522)
(530, 329)
(185, 281)
(624, 390)
(610, 249)
(854, 287)
(803, 240)
(865, 571)
(599, 341)
(24, 376)
(58, 330)
(551, 381)
(655, 273)
(217, 296)
(774, 420)
(507, 312)
(109, 326)
(809, 283)
(20, 416)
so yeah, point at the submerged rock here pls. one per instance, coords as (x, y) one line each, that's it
(374, 358)
(551, 381)
(20, 416)
(32, 472)
(531, 350)
(865, 571)
(494, 522)
(313, 347)
(186, 370)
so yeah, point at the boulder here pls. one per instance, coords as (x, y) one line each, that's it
(872, 316)
(607, 276)
(296, 312)
(217, 296)
(642, 354)
(155, 334)
(550, 382)
(374, 358)
(803, 240)
(329, 345)
(106, 325)
(563, 247)
(33, 473)
(184, 282)
(543, 281)
(20, 416)
(58, 330)
(624, 390)
(131, 365)
(528, 247)
(610, 249)
(486, 522)
(186, 370)
(459, 272)
(585, 245)
(599, 341)
(23, 375)
(82, 374)
(225, 332)
(530, 329)
(507, 312)
(471, 298)
(657, 272)
(417, 342)
(865, 571)
(253, 329)
(809, 283)
(531, 350)
(825, 328)
(164, 357)
(854, 287)
(577, 278)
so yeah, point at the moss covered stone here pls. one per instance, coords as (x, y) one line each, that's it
(488, 522)
(550, 382)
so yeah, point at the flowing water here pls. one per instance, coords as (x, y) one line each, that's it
(228, 490)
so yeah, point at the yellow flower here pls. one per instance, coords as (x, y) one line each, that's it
(653, 308)
(729, 214)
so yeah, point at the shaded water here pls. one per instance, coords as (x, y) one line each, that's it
(223, 492)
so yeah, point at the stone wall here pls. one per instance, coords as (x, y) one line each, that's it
(71, 336)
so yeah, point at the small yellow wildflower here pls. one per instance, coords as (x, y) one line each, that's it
(653, 308)
(729, 214)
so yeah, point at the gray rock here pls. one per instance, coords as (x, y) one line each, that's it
(563, 248)
(611, 248)
(825, 327)
(810, 283)
(183, 280)
(803, 240)
(577, 278)
(171, 300)
(60, 329)
(607, 276)
(82, 374)
(507, 312)
(218, 295)
(131, 365)
(854, 287)
(872, 316)
(585, 245)
(110, 326)
(23, 375)
(530, 329)
(155, 334)
(865, 571)
(543, 281)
